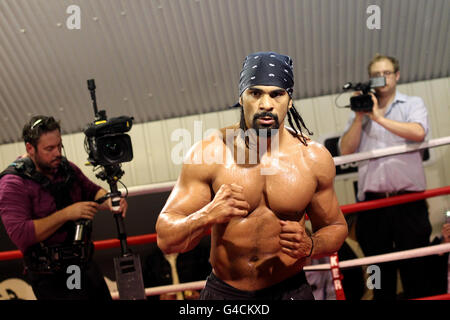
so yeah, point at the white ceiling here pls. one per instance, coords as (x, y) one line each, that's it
(157, 59)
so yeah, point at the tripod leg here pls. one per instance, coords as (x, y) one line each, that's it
(122, 235)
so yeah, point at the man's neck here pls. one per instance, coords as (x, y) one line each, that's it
(269, 144)
(48, 174)
(386, 100)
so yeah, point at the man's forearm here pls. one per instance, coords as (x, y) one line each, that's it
(100, 193)
(351, 139)
(408, 130)
(45, 227)
(180, 233)
(329, 239)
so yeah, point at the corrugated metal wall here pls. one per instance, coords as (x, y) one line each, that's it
(156, 59)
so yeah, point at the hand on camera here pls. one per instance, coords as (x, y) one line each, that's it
(123, 207)
(81, 210)
(376, 113)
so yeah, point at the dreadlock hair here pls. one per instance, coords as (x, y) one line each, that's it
(243, 125)
(294, 115)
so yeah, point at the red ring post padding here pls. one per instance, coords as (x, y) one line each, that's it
(337, 277)
(346, 209)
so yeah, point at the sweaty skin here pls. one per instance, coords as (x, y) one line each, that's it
(257, 220)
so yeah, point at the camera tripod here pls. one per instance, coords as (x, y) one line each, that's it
(127, 267)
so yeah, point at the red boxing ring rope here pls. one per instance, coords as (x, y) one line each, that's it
(391, 201)
(346, 209)
(99, 245)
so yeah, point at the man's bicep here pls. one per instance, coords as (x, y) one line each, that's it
(15, 212)
(324, 210)
(418, 113)
(190, 193)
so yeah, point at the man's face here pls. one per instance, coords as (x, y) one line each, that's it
(385, 68)
(47, 154)
(265, 107)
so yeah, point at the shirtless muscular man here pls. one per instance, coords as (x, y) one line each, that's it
(257, 218)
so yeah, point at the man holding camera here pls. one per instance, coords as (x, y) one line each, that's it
(394, 120)
(46, 205)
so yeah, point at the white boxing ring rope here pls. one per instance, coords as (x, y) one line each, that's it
(402, 255)
(378, 153)
(167, 186)
(406, 254)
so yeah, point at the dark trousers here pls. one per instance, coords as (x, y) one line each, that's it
(293, 288)
(391, 229)
(54, 286)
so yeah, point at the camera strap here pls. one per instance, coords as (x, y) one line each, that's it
(60, 191)
(42, 259)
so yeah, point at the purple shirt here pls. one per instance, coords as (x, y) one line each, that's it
(23, 200)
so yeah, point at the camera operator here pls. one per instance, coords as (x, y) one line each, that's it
(394, 120)
(43, 197)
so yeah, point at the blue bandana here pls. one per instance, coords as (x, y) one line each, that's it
(267, 69)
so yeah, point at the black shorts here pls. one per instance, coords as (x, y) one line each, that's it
(294, 288)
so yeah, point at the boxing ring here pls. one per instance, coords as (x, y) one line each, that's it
(335, 266)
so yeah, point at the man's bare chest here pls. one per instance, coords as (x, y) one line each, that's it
(285, 187)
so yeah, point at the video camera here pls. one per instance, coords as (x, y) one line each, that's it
(106, 141)
(364, 101)
(108, 146)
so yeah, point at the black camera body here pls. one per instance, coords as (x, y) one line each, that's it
(106, 141)
(363, 102)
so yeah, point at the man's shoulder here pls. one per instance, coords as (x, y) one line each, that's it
(214, 141)
(408, 100)
(200, 160)
(12, 174)
(319, 159)
(12, 181)
(73, 166)
(316, 151)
